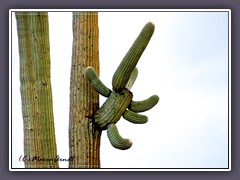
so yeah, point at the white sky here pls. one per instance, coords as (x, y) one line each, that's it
(185, 64)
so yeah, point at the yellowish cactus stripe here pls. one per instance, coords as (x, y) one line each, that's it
(132, 78)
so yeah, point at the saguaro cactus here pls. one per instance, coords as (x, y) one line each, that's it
(36, 91)
(121, 97)
(84, 137)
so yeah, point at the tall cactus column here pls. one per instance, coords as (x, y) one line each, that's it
(84, 138)
(36, 91)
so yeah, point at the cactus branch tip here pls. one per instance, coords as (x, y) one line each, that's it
(150, 23)
(96, 82)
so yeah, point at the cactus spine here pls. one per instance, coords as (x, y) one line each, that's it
(121, 97)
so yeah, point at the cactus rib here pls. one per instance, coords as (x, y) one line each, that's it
(116, 140)
(141, 106)
(96, 82)
(132, 78)
(129, 62)
(134, 117)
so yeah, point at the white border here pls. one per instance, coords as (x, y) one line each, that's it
(10, 90)
(119, 10)
(124, 10)
(229, 88)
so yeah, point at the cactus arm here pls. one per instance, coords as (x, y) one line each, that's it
(129, 62)
(116, 140)
(134, 117)
(97, 83)
(141, 106)
(132, 78)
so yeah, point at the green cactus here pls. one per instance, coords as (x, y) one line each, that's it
(134, 117)
(113, 108)
(116, 140)
(141, 106)
(129, 62)
(120, 99)
(97, 83)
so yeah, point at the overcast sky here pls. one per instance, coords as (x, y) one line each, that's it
(185, 64)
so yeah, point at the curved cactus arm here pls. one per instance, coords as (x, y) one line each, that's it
(129, 62)
(134, 117)
(132, 78)
(141, 106)
(116, 140)
(96, 82)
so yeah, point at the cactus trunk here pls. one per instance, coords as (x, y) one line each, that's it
(84, 138)
(36, 92)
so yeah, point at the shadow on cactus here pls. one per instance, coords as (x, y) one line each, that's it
(119, 102)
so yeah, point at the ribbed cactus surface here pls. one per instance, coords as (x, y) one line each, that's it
(36, 91)
(84, 137)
